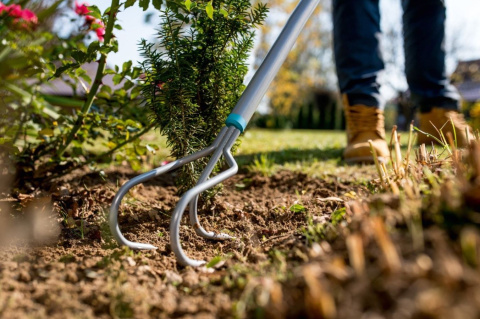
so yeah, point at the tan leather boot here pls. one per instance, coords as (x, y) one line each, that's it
(439, 119)
(364, 123)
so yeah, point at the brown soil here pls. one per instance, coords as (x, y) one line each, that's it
(305, 248)
(59, 261)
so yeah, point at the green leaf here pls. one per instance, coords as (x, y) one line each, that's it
(297, 208)
(79, 56)
(209, 10)
(144, 4)
(86, 78)
(65, 68)
(50, 66)
(224, 12)
(117, 78)
(337, 216)
(188, 4)
(126, 66)
(106, 88)
(135, 164)
(46, 132)
(103, 95)
(215, 260)
(135, 92)
(157, 4)
(128, 85)
(93, 47)
(110, 71)
(95, 12)
(129, 3)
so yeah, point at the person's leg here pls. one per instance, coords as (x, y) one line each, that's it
(424, 41)
(356, 31)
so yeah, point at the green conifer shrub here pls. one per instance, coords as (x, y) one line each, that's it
(194, 74)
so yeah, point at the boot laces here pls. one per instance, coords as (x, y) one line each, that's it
(365, 119)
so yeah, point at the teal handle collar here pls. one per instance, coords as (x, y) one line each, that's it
(236, 121)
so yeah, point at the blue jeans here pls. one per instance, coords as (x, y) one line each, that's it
(358, 60)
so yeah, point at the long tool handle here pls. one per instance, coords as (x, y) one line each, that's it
(256, 89)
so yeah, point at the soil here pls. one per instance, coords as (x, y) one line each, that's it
(305, 248)
(60, 261)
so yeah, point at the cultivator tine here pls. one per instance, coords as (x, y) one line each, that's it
(113, 216)
(194, 202)
(192, 195)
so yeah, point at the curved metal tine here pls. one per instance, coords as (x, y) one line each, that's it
(113, 216)
(189, 195)
(194, 221)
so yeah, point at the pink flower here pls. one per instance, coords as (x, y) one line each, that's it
(89, 19)
(81, 9)
(14, 10)
(29, 16)
(100, 33)
(21, 18)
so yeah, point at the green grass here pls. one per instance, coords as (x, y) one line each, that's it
(291, 146)
(317, 153)
(285, 141)
(282, 147)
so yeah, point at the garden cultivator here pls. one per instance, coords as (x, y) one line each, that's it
(235, 124)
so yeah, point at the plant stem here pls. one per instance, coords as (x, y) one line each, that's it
(5, 53)
(108, 153)
(131, 139)
(409, 146)
(97, 82)
(375, 159)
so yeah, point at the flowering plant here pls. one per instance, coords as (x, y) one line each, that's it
(22, 18)
(45, 135)
(91, 22)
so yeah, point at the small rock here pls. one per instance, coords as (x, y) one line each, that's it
(169, 303)
(43, 273)
(131, 262)
(173, 278)
(91, 274)
(190, 279)
(72, 277)
(144, 269)
(322, 219)
(24, 276)
(316, 251)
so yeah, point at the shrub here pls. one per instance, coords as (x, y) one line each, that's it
(195, 76)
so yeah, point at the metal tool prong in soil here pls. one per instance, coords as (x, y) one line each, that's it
(235, 125)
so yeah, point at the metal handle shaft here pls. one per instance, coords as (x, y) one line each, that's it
(264, 76)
